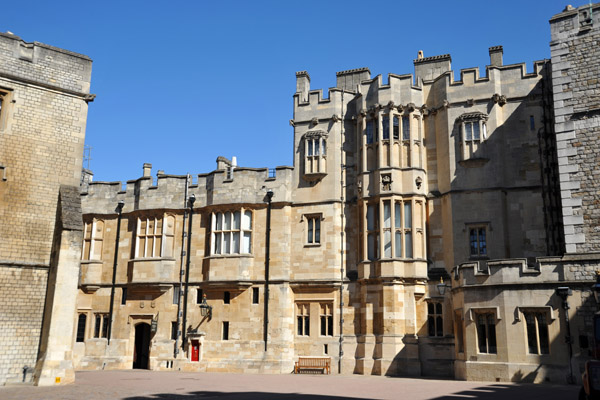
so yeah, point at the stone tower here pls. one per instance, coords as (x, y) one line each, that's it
(44, 95)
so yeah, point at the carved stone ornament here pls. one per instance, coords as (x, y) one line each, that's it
(335, 118)
(411, 107)
(390, 104)
(314, 121)
(400, 108)
(363, 112)
(386, 181)
(292, 123)
(446, 104)
(499, 99)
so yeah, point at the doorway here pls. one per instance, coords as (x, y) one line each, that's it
(141, 350)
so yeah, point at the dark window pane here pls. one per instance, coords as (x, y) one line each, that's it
(306, 325)
(431, 326)
(491, 333)
(226, 297)
(317, 230)
(255, 295)
(97, 325)
(386, 127)
(300, 330)
(481, 334)
(543, 334)
(405, 128)
(396, 128)
(173, 330)
(369, 132)
(430, 308)
(105, 324)
(438, 308)
(531, 333)
(81, 327)
(330, 325)
(323, 325)
(439, 325)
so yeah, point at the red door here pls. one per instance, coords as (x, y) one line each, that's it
(195, 350)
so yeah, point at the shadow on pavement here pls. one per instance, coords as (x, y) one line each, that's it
(238, 395)
(490, 392)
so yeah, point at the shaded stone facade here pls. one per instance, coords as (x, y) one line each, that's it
(44, 93)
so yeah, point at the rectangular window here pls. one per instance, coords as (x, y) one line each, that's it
(101, 325)
(313, 229)
(232, 232)
(152, 240)
(408, 245)
(175, 294)
(199, 296)
(486, 333)
(81, 322)
(477, 241)
(537, 332)
(387, 229)
(460, 338)
(531, 123)
(225, 330)
(303, 319)
(174, 330)
(405, 128)
(255, 293)
(124, 296)
(326, 317)
(386, 127)
(372, 232)
(435, 320)
(92, 240)
(396, 128)
(226, 297)
(369, 131)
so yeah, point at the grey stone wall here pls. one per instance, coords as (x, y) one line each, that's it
(22, 296)
(576, 84)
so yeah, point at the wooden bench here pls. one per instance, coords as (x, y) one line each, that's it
(323, 363)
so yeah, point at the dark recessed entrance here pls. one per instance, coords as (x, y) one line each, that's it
(141, 351)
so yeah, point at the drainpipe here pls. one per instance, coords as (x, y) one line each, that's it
(191, 201)
(181, 271)
(342, 241)
(120, 205)
(267, 256)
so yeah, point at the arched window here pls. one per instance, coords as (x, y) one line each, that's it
(81, 323)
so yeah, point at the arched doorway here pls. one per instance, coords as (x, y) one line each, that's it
(141, 350)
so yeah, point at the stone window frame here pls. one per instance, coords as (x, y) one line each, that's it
(101, 329)
(315, 153)
(470, 227)
(435, 318)
(326, 323)
(303, 319)
(489, 344)
(219, 232)
(166, 236)
(93, 239)
(470, 145)
(391, 235)
(546, 312)
(312, 229)
(225, 326)
(459, 330)
(5, 105)
(84, 334)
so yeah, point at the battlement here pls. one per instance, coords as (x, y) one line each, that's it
(220, 187)
(44, 65)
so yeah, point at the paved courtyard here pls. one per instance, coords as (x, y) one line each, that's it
(146, 385)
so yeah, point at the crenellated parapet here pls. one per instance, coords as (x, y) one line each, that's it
(219, 187)
(44, 65)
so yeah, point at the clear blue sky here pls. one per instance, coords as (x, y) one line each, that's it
(179, 83)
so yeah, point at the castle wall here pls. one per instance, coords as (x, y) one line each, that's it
(575, 71)
(43, 110)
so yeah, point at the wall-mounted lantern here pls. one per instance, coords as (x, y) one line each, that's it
(205, 309)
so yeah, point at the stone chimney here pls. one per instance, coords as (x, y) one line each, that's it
(303, 85)
(147, 169)
(496, 56)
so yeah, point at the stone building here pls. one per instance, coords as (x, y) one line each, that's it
(44, 95)
(480, 179)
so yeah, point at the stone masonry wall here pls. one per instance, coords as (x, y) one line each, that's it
(576, 84)
(22, 295)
